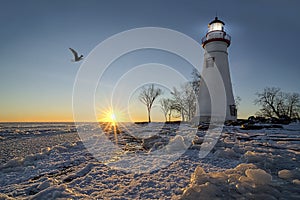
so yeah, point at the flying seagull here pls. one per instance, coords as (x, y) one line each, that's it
(76, 57)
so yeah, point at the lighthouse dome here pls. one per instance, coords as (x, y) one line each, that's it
(216, 20)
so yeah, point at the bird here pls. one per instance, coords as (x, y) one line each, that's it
(76, 57)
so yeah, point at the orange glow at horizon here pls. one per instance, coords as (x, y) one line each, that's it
(110, 115)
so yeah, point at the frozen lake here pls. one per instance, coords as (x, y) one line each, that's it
(50, 161)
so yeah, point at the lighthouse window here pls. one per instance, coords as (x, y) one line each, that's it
(210, 62)
(233, 110)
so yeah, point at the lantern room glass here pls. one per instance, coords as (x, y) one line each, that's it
(216, 27)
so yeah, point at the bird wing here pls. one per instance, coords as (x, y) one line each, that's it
(74, 52)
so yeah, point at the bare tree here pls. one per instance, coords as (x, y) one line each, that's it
(196, 81)
(189, 99)
(237, 101)
(268, 100)
(184, 101)
(166, 108)
(275, 103)
(148, 96)
(178, 103)
(293, 105)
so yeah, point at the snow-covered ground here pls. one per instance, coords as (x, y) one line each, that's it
(49, 161)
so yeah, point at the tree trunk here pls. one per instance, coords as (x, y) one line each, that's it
(291, 111)
(182, 115)
(149, 118)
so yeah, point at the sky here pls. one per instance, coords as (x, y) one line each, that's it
(37, 75)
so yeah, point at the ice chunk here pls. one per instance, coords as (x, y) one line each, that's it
(254, 157)
(204, 191)
(259, 176)
(218, 178)
(44, 185)
(296, 181)
(4, 196)
(177, 144)
(189, 194)
(80, 173)
(199, 176)
(260, 196)
(17, 162)
(285, 174)
(197, 140)
(29, 160)
(244, 166)
(227, 153)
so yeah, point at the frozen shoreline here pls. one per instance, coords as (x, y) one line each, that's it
(67, 170)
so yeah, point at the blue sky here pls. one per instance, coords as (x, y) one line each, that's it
(36, 75)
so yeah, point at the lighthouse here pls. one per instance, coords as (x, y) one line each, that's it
(215, 43)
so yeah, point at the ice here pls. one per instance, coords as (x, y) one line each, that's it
(241, 179)
(14, 163)
(258, 176)
(227, 153)
(80, 173)
(177, 144)
(296, 181)
(44, 185)
(285, 174)
(49, 161)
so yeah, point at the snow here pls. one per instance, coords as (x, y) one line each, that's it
(49, 161)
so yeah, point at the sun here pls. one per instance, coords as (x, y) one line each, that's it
(113, 118)
(109, 116)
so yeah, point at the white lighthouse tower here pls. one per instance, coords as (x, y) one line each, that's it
(215, 44)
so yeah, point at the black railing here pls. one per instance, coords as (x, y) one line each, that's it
(216, 36)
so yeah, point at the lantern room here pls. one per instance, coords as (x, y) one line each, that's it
(216, 33)
(216, 25)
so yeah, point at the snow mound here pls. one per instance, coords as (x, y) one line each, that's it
(232, 184)
(58, 192)
(177, 144)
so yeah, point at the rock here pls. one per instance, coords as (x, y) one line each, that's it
(258, 176)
